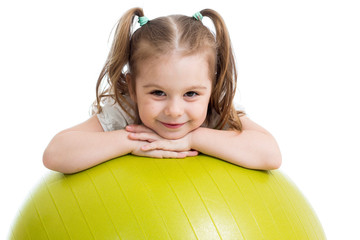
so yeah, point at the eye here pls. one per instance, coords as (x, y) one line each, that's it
(191, 94)
(158, 93)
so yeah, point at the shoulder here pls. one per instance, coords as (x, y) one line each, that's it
(113, 116)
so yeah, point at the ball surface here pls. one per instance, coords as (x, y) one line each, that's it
(144, 198)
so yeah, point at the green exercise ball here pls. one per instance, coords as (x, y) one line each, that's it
(145, 198)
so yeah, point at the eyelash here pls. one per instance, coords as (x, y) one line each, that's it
(160, 93)
(192, 93)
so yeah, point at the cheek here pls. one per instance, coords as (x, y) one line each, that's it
(199, 111)
(147, 109)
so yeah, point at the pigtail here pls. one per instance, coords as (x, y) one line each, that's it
(117, 60)
(226, 75)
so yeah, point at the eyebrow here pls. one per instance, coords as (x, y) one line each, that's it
(152, 85)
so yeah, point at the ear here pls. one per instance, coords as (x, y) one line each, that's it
(130, 83)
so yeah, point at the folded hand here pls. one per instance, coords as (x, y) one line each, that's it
(150, 144)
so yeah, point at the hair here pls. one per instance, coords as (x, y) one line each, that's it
(164, 35)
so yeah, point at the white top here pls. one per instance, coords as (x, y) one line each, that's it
(113, 117)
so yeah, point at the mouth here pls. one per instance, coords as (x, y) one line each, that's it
(172, 125)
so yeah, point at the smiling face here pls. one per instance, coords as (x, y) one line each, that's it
(172, 93)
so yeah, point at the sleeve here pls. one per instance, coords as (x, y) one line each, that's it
(113, 117)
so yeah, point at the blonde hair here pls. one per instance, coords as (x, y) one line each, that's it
(161, 36)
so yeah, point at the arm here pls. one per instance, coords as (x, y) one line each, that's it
(84, 146)
(253, 148)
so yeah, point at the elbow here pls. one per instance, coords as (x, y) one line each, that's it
(52, 160)
(275, 164)
(49, 158)
(273, 161)
(273, 158)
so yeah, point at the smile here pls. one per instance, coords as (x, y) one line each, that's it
(173, 125)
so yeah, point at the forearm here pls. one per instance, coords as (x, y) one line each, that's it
(250, 149)
(74, 151)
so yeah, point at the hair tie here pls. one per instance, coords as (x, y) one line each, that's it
(198, 16)
(143, 20)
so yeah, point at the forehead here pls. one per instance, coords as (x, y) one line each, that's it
(175, 70)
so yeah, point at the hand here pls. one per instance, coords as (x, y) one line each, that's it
(152, 145)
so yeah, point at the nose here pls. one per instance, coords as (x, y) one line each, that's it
(174, 108)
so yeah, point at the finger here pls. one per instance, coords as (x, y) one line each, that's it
(138, 129)
(165, 154)
(174, 154)
(149, 137)
(168, 145)
(159, 145)
(129, 128)
(192, 153)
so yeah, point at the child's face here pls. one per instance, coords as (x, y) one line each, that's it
(172, 94)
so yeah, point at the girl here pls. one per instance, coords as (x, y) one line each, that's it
(171, 87)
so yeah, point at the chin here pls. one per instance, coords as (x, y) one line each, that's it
(171, 135)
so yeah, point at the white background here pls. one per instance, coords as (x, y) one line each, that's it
(299, 64)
